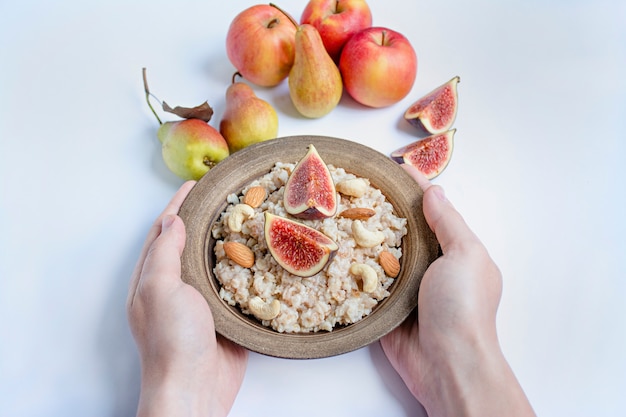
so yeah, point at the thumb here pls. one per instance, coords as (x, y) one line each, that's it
(441, 216)
(163, 259)
(447, 223)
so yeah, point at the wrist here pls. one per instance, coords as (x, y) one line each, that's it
(473, 378)
(168, 395)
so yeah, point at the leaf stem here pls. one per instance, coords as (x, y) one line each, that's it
(149, 94)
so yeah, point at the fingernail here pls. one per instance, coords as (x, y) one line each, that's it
(167, 221)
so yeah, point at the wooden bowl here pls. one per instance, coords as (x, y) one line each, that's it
(207, 200)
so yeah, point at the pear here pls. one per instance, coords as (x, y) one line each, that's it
(315, 84)
(247, 119)
(191, 147)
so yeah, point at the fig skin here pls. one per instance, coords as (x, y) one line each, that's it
(310, 192)
(287, 239)
(430, 155)
(436, 111)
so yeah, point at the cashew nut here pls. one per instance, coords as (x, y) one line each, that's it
(240, 213)
(355, 187)
(263, 310)
(368, 276)
(366, 238)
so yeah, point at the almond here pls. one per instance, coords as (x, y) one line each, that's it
(390, 263)
(239, 253)
(357, 213)
(255, 196)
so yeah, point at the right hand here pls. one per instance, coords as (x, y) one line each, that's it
(186, 368)
(450, 359)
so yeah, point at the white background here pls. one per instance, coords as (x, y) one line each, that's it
(538, 172)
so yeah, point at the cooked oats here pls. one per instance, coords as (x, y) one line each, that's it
(331, 297)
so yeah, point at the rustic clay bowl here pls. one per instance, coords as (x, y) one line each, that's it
(208, 199)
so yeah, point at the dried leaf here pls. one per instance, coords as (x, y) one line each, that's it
(202, 112)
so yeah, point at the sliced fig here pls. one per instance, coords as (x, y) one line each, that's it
(429, 155)
(310, 191)
(436, 111)
(300, 249)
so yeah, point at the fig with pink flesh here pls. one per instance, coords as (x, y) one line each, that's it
(299, 249)
(429, 155)
(436, 111)
(310, 191)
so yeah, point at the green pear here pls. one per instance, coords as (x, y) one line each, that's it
(247, 119)
(315, 84)
(191, 147)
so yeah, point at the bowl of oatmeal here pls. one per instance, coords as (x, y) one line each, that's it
(355, 299)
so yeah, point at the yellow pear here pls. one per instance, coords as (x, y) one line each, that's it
(247, 118)
(315, 84)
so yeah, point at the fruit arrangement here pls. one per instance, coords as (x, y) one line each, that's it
(332, 49)
(434, 114)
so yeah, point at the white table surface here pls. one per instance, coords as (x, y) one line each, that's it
(538, 172)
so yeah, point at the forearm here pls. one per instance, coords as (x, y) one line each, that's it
(478, 382)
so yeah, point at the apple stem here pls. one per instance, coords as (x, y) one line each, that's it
(295, 23)
(148, 95)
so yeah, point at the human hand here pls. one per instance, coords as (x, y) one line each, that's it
(185, 368)
(447, 352)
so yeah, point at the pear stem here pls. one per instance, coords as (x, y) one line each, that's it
(295, 23)
(148, 95)
(235, 76)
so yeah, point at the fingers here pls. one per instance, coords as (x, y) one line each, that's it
(441, 216)
(163, 258)
(172, 208)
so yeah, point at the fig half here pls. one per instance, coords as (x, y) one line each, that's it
(436, 111)
(299, 249)
(429, 155)
(310, 191)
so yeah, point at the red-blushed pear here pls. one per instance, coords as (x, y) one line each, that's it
(378, 66)
(247, 119)
(260, 44)
(337, 21)
(190, 147)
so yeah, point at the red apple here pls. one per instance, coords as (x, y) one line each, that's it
(260, 44)
(337, 21)
(378, 66)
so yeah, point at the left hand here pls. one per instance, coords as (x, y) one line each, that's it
(185, 367)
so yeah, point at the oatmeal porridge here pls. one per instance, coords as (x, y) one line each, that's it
(339, 294)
